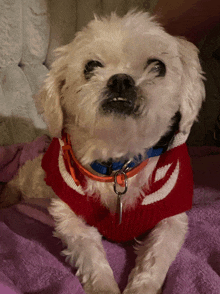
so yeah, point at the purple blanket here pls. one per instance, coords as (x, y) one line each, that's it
(30, 260)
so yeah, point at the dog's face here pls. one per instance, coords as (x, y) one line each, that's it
(120, 86)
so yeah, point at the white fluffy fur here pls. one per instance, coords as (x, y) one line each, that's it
(69, 101)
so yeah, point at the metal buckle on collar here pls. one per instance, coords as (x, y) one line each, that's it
(122, 182)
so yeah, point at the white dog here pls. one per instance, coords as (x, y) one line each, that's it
(119, 101)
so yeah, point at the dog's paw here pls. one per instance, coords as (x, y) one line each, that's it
(142, 288)
(101, 286)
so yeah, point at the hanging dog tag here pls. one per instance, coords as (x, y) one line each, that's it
(120, 193)
(120, 207)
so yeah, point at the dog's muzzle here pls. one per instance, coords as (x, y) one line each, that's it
(121, 95)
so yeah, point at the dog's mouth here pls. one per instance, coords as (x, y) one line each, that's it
(120, 105)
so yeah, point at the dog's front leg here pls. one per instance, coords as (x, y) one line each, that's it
(155, 255)
(84, 250)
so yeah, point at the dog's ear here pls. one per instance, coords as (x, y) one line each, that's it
(48, 100)
(193, 91)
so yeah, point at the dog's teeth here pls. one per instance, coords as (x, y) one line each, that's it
(119, 99)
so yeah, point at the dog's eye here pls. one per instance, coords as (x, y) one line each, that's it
(89, 68)
(156, 66)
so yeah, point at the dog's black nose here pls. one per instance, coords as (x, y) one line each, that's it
(121, 95)
(120, 83)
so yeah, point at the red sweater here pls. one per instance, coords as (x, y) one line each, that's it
(169, 193)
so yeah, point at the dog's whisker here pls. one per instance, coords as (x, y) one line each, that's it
(78, 90)
(145, 81)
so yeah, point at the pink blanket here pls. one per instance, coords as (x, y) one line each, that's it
(30, 260)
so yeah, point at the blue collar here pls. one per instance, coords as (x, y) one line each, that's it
(106, 168)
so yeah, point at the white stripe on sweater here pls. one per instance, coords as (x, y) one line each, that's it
(165, 190)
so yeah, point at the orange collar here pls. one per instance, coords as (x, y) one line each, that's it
(121, 175)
